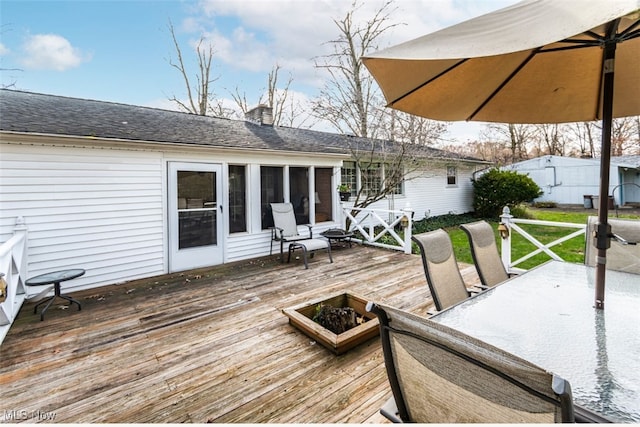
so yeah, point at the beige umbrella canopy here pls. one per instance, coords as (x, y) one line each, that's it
(538, 61)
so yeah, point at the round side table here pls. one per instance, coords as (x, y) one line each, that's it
(54, 278)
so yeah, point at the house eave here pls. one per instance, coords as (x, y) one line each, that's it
(140, 145)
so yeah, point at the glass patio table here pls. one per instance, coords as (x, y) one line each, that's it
(546, 316)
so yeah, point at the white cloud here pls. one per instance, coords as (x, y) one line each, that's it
(293, 32)
(51, 52)
(3, 49)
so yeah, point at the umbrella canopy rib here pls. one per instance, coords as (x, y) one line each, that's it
(504, 83)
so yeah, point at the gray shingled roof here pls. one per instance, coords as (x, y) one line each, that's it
(628, 161)
(56, 115)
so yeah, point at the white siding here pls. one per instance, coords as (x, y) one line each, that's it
(565, 180)
(429, 194)
(104, 209)
(101, 210)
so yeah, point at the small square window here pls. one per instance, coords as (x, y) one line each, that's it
(451, 175)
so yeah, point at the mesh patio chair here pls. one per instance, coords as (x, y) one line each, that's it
(485, 253)
(441, 268)
(624, 253)
(285, 230)
(440, 375)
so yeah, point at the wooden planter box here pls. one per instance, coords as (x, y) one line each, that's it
(301, 316)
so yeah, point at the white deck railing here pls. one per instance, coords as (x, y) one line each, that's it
(365, 220)
(13, 263)
(512, 226)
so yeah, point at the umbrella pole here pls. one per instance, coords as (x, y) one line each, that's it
(603, 232)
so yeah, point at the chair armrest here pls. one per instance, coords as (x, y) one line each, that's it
(274, 233)
(309, 226)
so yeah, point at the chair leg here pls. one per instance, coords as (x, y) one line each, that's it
(329, 252)
(282, 251)
(292, 247)
(304, 256)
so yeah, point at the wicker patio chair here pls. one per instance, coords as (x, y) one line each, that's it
(440, 375)
(485, 253)
(441, 268)
(285, 230)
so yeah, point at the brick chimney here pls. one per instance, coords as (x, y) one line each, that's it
(262, 115)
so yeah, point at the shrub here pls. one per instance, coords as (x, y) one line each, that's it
(497, 189)
(545, 205)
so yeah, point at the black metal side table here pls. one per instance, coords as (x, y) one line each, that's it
(54, 278)
(337, 235)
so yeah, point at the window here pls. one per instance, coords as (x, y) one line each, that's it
(451, 175)
(348, 175)
(372, 178)
(197, 209)
(299, 193)
(394, 176)
(237, 199)
(322, 196)
(271, 191)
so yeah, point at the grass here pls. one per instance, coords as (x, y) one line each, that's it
(570, 251)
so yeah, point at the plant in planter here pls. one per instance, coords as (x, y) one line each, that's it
(345, 192)
(337, 319)
(336, 309)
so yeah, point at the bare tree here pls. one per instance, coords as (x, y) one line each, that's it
(516, 136)
(201, 99)
(286, 111)
(349, 94)
(490, 151)
(622, 136)
(393, 144)
(584, 135)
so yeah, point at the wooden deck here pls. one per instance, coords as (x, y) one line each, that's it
(207, 346)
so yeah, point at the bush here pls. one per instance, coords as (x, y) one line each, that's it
(545, 205)
(497, 189)
(442, 221)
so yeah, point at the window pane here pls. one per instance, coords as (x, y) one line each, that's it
(348, 176)
(451, 175)
(322, 198)
(237, 199)
(271, 183)
(299, 193)
(394, 177)
(197, 209)
(371, 178)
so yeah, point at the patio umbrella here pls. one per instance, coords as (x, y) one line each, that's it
(538, 61)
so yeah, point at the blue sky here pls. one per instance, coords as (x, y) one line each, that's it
(118, 50)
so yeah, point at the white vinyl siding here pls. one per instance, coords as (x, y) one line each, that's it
(101, 210)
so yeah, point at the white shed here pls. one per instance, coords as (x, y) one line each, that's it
(567, 180)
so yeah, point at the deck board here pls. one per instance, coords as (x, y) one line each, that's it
(209, 345)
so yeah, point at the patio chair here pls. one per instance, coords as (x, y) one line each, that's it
(485, 253)
(624, 252)
(440, 375)
(441, 268)
(285, 230)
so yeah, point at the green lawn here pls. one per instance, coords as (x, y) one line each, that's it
(570, 251)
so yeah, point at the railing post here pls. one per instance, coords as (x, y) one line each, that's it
(408, 213)
(21, 230)
(505, 250)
